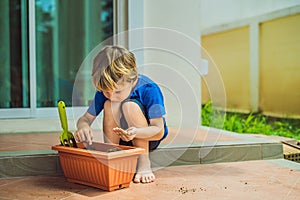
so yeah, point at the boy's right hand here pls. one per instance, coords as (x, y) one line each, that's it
(84, 135)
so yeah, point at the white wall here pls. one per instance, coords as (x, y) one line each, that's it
(174, 57)
(217, 12)
(180, 15)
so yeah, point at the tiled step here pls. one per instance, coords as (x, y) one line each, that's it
(216, 154)
(182, 147)
(216, 146)
(29, 165)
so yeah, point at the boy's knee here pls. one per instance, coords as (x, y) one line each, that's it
(111, 108)
(133, 114)
(131, 107)
(109, 105)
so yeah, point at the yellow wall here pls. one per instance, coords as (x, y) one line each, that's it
(280, 66)
(229, 51)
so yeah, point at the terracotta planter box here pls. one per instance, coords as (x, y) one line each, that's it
(106, 166)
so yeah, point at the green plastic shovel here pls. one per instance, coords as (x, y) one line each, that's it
(66, 137)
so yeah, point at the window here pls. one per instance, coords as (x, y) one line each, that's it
(65, 32)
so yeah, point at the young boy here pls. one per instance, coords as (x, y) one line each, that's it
(133, 107)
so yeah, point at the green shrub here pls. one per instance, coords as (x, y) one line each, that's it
(250, 123)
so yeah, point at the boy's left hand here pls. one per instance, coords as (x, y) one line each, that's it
(126, 135)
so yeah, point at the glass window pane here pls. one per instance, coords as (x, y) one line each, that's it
(66, 31)
(14, 77)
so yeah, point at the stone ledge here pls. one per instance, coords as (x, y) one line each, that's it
(48, 164)
(30, 165)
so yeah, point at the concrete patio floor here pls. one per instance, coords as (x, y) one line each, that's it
(263, 179)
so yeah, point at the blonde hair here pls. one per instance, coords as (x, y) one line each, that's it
(111, 65)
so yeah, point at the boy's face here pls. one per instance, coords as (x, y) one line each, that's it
(120, 93)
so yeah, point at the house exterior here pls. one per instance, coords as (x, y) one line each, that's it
(45, 44)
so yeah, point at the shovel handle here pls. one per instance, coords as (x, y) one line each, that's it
(62, 115)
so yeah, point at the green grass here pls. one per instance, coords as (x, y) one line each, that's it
(250, 123)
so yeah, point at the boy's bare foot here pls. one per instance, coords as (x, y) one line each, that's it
(144, 177)
(144, 173)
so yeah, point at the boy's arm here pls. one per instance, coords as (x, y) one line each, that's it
(154, 131)
(84, 131)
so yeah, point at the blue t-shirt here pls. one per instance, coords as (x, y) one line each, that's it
(146, 92)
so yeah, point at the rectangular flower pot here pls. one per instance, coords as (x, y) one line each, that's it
(104, 166)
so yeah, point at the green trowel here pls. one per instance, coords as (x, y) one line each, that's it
(66, 137)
